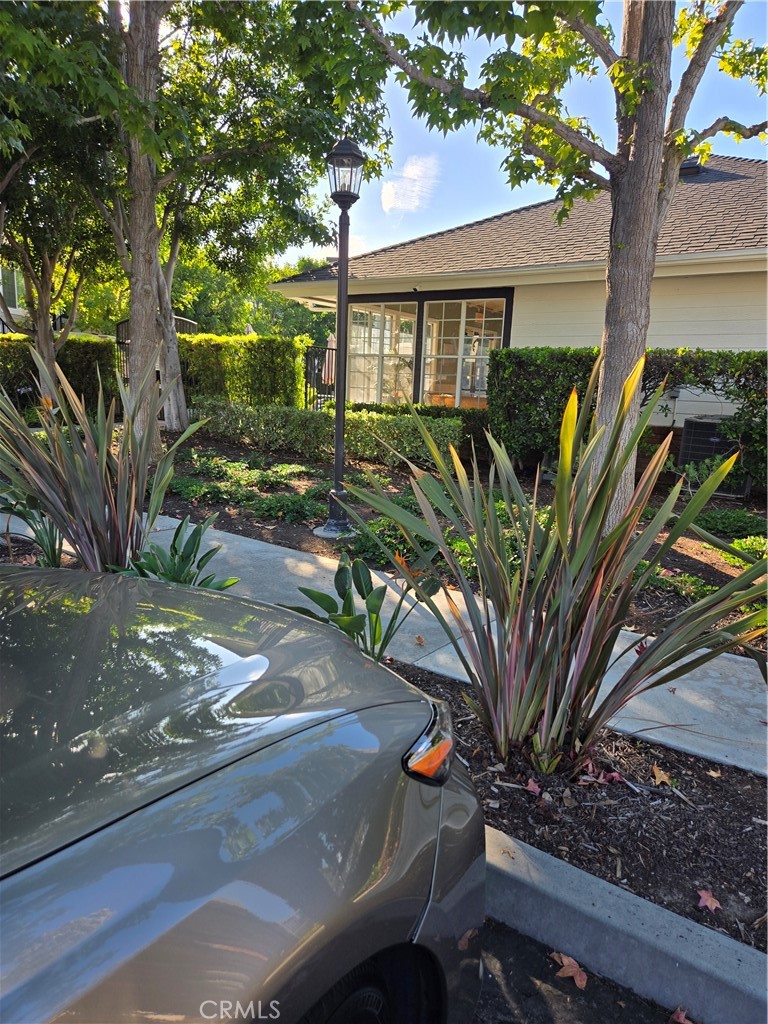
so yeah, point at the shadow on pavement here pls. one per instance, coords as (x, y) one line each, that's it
(521, 987)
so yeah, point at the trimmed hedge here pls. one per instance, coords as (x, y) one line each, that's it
(247, 369)
(309, 435)
(79, 358)
(474, 422)
(528, 388)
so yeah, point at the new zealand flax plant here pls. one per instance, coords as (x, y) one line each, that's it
(536, 635)
(89, 479)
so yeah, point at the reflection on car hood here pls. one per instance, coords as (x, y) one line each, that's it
(115, 691)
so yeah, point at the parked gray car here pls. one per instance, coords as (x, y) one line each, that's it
(215, 809)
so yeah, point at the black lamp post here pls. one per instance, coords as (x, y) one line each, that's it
(345, 171)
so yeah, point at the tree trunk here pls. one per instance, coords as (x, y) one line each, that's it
(175, 407)
(44, 341)
(141, 73)
(634, 232)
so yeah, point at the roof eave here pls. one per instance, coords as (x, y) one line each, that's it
(323, 293)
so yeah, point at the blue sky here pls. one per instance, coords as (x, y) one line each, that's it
(438, 182)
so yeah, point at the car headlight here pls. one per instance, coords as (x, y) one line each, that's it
(429, 759)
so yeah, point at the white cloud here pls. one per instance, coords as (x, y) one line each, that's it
(412, 188)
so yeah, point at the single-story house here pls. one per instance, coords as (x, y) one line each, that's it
(424, 314)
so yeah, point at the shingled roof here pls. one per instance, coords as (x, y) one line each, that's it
(719, 209)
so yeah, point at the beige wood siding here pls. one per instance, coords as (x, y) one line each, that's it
(702, 311)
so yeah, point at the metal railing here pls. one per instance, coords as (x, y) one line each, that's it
(123, 339)
(319, 376)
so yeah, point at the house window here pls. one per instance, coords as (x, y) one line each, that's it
(9, 287)
(458, 336)
(381, 351)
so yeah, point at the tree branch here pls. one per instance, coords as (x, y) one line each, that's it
(593, 37)
(574, 138)
(208, 158)
(550, 163)
(16, 166)
(11, 320)
(23, 256)
(691, 77)
(65, 277)
(64, 333)
(727, 124)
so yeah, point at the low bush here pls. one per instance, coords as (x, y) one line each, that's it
(390, 440)
(247, 369)
(270, 429)
(376, 437)
(474, 422)
(731, 522)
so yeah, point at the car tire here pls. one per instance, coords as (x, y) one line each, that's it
(360, 998)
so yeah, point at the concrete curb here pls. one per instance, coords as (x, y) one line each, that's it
(650, 950)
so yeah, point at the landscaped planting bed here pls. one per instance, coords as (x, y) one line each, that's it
(657, 822)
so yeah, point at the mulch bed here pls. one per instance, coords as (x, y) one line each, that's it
(707, 830)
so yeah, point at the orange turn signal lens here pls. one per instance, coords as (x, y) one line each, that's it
(429, 759)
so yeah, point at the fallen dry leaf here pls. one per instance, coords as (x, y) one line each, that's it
(680, 1016)
(708, 900)
(660, 776)
(466, 938)
(570, 969)
(533, 787)
(28, 560)
(419, 640)
(715, 774)
(568, 799)
(672, 690)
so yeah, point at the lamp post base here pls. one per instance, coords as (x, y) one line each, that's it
(337, 524)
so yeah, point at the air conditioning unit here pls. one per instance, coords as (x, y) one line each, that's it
(703, 438)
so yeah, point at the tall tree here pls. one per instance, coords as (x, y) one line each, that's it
(227, 147)
(58, 90)
(518, 102)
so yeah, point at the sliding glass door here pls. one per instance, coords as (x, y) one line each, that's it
(458, 336)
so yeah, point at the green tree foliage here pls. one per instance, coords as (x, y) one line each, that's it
(59, 90)
(517, 100)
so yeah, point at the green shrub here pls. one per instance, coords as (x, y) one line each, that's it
(389, 440)
(528, 386)
(82, 358)
(270, 429)
(309, 435)
(247, 369)
(754, 547)
(731, 522)
(474, 422)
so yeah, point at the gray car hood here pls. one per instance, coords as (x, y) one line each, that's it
(116, 691)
